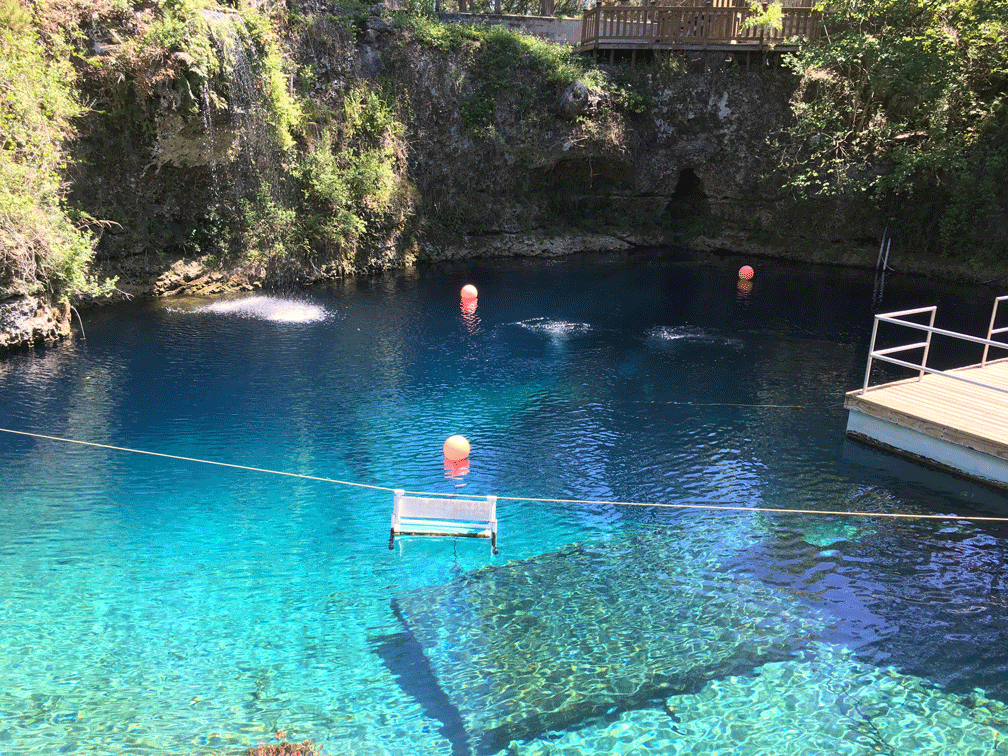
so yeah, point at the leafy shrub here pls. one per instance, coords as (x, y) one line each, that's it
(476, 112)
(14, 17)
(436, 35)
(352, 176)
(284, 113)
(368, 116)
(769, 16)
(41, 249)
(271, 231)
(903, 102)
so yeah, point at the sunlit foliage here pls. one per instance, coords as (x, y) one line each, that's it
(906, 103)
(41, 249)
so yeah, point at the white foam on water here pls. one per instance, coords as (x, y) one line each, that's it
(668, 335)
(554, 328)
(273, 309)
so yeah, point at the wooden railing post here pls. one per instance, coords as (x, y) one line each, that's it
(724, 21)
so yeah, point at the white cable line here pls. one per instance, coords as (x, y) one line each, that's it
(705, 507)
(193, 459)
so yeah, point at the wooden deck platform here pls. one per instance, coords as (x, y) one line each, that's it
(693, 25)
(940, 421)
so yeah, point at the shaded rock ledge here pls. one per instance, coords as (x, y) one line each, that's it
(27, 321)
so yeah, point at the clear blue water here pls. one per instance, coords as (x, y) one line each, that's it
(159, 606)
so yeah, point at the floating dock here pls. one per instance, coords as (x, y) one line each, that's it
(954, 420)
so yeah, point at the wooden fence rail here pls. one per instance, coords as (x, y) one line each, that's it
(667, 26)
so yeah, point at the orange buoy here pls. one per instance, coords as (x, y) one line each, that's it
(456, 448)
(746, 272)
(469, 293)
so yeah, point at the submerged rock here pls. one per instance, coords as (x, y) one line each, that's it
(575, 637)
(823, 701)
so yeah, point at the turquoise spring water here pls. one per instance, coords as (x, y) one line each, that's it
(158, 606)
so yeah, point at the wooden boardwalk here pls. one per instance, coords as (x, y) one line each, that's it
(941, 407)
(693, 25)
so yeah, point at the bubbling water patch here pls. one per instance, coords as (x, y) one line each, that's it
(556, 329)
(273, 309)
(670, 336)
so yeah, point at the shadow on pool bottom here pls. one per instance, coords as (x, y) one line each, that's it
(403, 655)
(578, 638)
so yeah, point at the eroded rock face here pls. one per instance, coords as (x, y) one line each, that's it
(193, 278)
(25, 321)
(530, 244)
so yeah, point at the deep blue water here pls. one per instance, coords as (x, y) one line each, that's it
(155, 605)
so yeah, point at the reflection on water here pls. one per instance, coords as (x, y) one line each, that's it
(176, 608)
(470, 317)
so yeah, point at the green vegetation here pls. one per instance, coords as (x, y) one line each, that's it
(43, 248)
(304, 165)
(500, 51)
(766, 16)
(305, 160)
(509, 87)
(526, 72)
(353, 177)
(191, 43)
(283, 112)
(507, 7)
(904, 103)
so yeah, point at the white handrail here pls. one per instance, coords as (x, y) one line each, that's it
(897, 318)
(907, 348)
(991, 331)
(943, 332)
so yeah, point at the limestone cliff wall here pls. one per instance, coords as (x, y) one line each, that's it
(692, 166)
(695, 168)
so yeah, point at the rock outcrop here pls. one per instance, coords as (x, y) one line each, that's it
(193, 278)
(30, 320)
(577, 100)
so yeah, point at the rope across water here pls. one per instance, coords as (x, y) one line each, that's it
(655, 505)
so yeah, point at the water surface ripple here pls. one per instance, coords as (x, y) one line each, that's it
(152, 605)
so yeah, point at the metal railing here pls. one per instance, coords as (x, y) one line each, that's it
(900, 319)
(991, 330)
